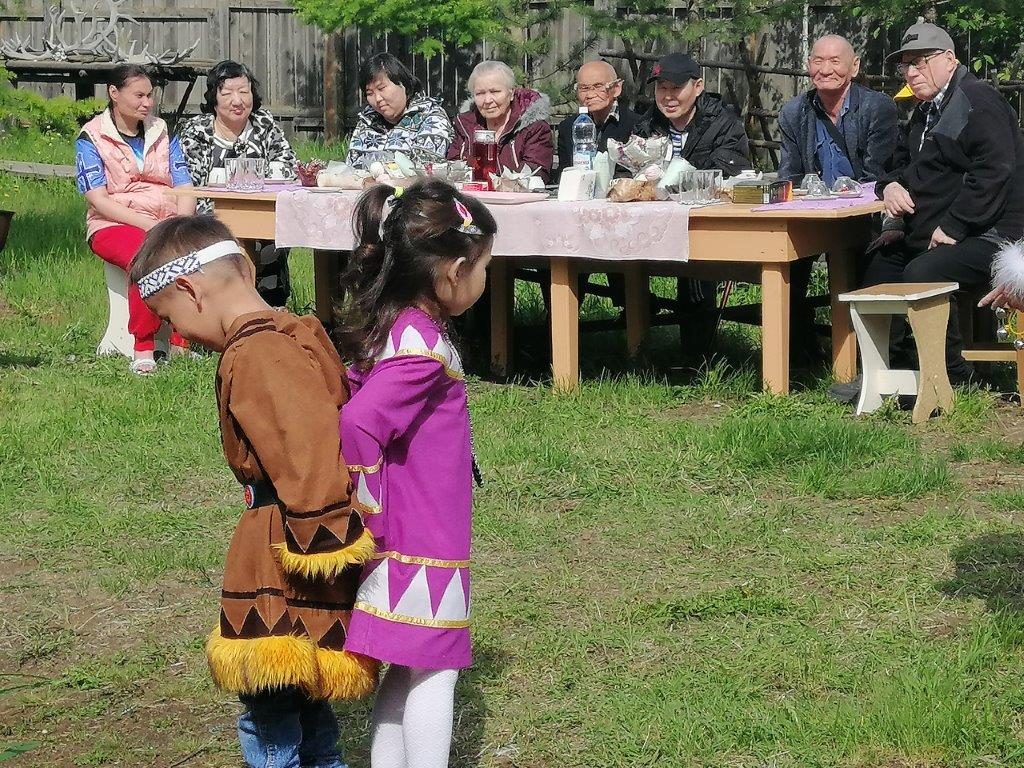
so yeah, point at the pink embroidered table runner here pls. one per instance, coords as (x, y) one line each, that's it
(595, 229)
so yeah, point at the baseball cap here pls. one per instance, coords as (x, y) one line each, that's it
(923, 37)
(675, 67)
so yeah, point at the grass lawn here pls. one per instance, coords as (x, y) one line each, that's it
(670, 569)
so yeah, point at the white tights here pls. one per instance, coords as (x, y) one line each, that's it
(412, 718)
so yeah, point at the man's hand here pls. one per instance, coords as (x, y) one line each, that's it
(897, 199)
(1000, 296)
(940, 238)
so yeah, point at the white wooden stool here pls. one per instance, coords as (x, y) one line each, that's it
(926, 306)
(116, 340)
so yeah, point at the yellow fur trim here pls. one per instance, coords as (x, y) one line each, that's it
(324, 565)
(256, 664)
(345, 675)
(259, 664)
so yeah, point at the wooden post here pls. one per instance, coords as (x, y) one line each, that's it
(565, 323)
(500, 275)
(775, 325)
(327, 284)
(844, 341)
(638, 306)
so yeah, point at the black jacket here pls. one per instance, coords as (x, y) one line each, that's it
(869, 129)
(968, 176)
(620, 130)
(716, 139)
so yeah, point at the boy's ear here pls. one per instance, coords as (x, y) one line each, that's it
(250, 268)
(185, 285)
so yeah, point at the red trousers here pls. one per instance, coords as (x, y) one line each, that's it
(118, 245)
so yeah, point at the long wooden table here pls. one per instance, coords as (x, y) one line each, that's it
(726, 242)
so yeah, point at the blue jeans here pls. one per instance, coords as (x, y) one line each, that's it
(284, 728)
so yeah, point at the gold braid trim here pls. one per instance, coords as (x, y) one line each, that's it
(324, 565)
(367, 470)
(264, 663)
(434, 356)
(414, 620)
(369, 509)
(413, 560)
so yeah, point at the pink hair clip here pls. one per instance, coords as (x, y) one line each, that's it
(467, 227)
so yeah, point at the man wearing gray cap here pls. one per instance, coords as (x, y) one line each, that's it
(956, 179)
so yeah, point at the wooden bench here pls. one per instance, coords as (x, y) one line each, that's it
(926, 306)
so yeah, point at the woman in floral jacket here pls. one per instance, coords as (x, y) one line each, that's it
(397, 117)
(233, 124)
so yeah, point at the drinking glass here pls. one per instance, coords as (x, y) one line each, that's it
(697, 187)
(246, 174)
(844, 186)
(809, 180)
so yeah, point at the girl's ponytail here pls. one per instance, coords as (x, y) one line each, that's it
(367, 273)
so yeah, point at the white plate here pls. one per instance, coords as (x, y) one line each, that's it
(509, 198)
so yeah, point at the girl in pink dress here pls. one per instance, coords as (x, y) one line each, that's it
(422, 259)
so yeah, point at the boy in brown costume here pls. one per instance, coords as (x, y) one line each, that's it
(293, 564)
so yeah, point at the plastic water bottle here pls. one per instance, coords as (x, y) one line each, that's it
(584, 141)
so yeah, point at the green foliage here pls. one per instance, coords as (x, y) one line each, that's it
(639, 22)
(59, 114)
(993, 25)
(433, 24)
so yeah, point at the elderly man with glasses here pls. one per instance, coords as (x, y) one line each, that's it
(956, 181)
(598, 88)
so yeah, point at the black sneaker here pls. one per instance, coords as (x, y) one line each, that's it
(963, 378)
(845, 392)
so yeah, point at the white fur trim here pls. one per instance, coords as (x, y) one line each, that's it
(1008, 268)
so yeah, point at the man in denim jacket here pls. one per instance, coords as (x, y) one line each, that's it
(838, 128)
(863, 133)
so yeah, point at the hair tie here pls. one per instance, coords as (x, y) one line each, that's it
(389, 205)
(467, 227)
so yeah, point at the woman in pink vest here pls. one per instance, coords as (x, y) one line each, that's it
(127, 165)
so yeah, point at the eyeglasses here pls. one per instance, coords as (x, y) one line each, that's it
(605, 87)
(917, 63)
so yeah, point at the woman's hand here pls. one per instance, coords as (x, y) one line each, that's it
(1001, 296)
(112, 210)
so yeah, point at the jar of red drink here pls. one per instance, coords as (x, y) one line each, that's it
(484, 157)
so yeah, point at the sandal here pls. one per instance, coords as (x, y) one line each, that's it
(143, 366)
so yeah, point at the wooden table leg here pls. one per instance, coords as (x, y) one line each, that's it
(326, 284)
(500, 275)
(844, 341)
(928, 320)
(638, 306)
(565, 324)
(775, 327)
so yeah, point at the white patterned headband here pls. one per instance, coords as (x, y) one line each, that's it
(161, 277)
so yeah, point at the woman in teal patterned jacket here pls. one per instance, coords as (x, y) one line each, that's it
(397, 117)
